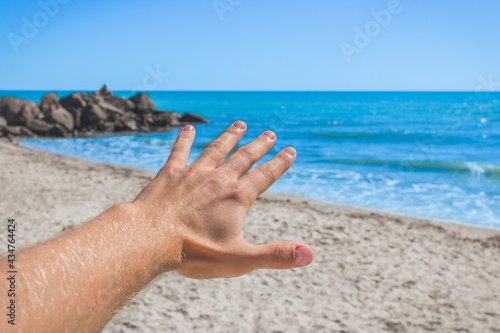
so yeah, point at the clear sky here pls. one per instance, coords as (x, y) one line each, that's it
(248, 44)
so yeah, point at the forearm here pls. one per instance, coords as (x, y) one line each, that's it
(78, 281)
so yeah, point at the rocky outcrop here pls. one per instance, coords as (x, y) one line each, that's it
(49, 103)
(119, 102)
(75, 101)
(39, 126)
(189, 117)
(143, 103)
(63, 117)
(17, 111)
(83, 114)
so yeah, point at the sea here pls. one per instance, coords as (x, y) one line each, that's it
(427, 154)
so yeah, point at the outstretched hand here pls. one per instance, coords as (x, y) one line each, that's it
(204, 205)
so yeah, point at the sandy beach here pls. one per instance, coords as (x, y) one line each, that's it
(373, 272)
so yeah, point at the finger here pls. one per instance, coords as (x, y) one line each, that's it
(182, 146)
(216, 151)
(241, 161)
(282, 255)
(259, 180)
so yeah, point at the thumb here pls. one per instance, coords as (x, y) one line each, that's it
(283, 255)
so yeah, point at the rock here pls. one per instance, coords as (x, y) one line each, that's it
(19, 131)
(59, 130)
(76, 113)
(126, 122)
(39, 126)
(83, 114)
(97, 99)
(49, 102)
(130, 125)
(63, 117)
(166, 118)
(73, 101)
(14, 130)
(92, 115)
(17, 111)
(143, 103)
(146, 119)
(193, 118)
(120, 102)
(107, 126)
(93, 98)
(110, 108)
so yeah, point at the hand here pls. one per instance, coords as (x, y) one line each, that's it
(205, 205)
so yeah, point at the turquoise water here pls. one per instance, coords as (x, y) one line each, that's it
(425, 154)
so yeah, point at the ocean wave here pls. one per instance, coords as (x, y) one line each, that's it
(403, 135)
(156, 142)
(360, 134)
(488, 170)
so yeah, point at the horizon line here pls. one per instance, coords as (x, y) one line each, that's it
(259, 91)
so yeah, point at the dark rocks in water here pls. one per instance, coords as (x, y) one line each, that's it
(193, 118)
(73, 101)
(39, 126)
(63, 117)
(58, 130)
(130, 125)
(106, 126)
(110, 108)
(17, 111)
(77, 114)
(120, 102)
(17, 131)
(166, 118)
(83, 114)
(143, 103)
(14, 130)
(92, 115)
(49, 103)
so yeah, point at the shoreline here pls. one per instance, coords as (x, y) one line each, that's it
(344, 206)
(374, 271)
(447, 223)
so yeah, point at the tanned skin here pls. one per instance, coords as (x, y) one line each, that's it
(188, 219)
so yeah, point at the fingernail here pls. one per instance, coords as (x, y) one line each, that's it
(270, 135)
(300, 258)
(239, 124)
(290, 151)
(188, 128)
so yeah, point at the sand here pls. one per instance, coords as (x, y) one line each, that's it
(374, 272)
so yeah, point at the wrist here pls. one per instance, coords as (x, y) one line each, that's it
(157, 237)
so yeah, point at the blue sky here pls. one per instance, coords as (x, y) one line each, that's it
(248, 45)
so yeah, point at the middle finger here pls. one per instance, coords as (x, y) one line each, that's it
(245, 157)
